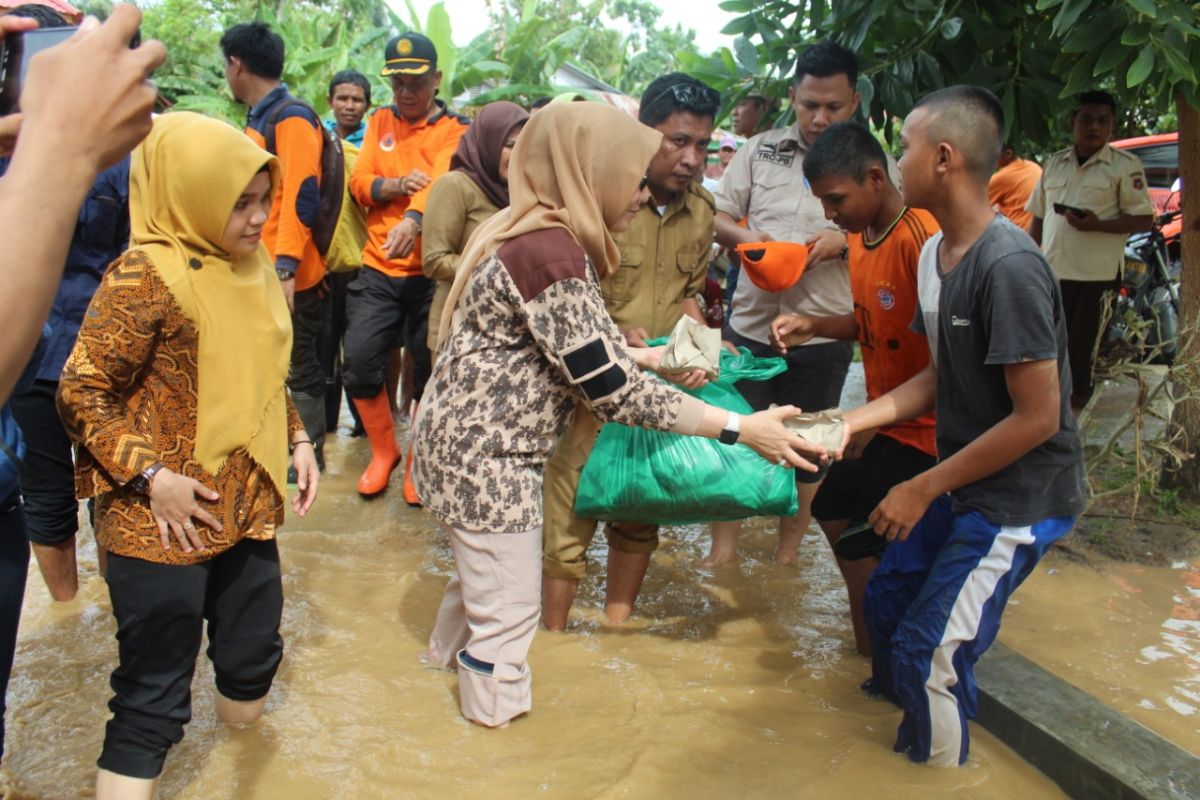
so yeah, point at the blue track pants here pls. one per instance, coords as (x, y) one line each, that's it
(933, 607)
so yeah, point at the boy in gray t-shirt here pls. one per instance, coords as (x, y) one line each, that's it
(1009, 480)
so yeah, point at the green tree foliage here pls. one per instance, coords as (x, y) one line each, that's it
(1036, 55)
(1031, 56)
(618, 41)
(321, 38)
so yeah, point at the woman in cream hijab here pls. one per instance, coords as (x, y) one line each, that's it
(174, 396)
(525, 335)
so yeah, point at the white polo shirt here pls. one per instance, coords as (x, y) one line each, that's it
(1111, 183)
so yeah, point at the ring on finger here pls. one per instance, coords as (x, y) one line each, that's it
(783, 462)
(189, 525)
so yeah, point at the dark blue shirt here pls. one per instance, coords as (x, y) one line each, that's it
(13, 448)
(101, 234)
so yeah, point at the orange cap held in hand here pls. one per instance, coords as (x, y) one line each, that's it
(773, 266)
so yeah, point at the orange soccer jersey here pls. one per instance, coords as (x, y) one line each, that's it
(1010, 187)
(392, 148)
(883, 283)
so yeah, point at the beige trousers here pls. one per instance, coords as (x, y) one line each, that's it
(490, 613)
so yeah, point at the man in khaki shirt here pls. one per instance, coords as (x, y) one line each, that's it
(1089, 199)
(664, 263)
(764, 184)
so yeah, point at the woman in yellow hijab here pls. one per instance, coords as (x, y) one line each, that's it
(174, 396)
(525, 337)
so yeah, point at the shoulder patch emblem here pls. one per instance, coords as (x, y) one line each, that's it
(773, 153)
(1139, 182)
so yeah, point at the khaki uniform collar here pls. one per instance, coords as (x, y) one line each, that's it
(684, 201)
(1104, 155)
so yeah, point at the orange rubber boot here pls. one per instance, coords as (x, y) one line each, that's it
(376, 417)
(410, 489)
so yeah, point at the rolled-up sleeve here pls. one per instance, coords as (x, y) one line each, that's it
(733, 192)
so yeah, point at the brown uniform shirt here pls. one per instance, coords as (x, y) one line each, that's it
(457, 206)
(127, 398)
(664, 261)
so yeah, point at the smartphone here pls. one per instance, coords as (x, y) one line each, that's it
(1063, 208)
(15, 51)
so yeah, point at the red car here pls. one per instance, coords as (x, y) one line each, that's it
(1160, 155)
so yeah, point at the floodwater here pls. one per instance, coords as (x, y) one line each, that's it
(740, 682)
(1126, 634)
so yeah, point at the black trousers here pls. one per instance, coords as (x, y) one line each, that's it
(47, 471)
(310, 324)
(331, 349)
(160, 609)
(1083, 305)
(381, 309)
(14, 566)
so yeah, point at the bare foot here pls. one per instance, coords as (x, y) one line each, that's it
(432, 659)
(617, 613)
(789, 544)
(718, 557)
(724, 544)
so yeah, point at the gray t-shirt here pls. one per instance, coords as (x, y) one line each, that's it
(1002, 305)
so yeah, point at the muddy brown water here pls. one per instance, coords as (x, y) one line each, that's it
(1128, 635)
(740, 682)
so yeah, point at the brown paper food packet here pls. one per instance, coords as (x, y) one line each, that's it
(692, 345)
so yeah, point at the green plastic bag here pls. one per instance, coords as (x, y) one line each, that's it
(641, 475)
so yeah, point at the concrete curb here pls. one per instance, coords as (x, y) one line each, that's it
(1087, 748)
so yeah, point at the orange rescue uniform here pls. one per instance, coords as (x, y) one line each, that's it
(883, 283)
(392, 148)
(1010, 187)
(288, 232)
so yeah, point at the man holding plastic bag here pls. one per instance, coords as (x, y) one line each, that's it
(664, 262)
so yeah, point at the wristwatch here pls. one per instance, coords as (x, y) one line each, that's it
(733, 426)
(285, 275)
(141, 482)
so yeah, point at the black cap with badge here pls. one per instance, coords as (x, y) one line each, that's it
(409, 54)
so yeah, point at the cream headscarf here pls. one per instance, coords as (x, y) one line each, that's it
(575, 167)
(183, 183)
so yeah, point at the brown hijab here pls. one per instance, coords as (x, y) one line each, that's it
(575, 167)
(478, 152)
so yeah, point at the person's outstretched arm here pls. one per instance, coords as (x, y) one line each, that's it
(54, 164)
(1034, 389)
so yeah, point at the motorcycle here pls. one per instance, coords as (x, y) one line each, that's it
(1145, 319)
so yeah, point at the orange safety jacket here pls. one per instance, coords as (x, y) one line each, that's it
(288, 232)
(392, 148)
